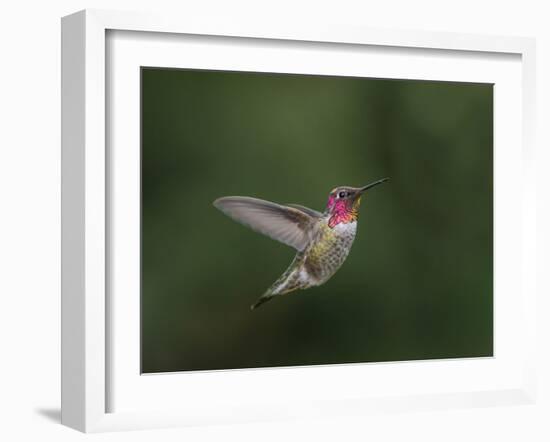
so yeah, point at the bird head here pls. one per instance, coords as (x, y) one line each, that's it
(343, 202)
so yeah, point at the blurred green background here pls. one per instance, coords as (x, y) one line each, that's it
(418, 281)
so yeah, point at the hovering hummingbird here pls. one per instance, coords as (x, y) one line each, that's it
(322, 240)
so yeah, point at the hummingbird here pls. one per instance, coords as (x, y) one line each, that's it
(322, 240)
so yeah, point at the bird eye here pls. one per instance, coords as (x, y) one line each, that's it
(342, 194)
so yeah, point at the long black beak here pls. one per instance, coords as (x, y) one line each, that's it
(376, 183)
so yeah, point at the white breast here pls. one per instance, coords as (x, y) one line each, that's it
(346, 229)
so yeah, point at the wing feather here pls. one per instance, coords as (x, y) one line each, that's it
(286, 224)
(311, 212)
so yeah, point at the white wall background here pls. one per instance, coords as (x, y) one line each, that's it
(30, 217)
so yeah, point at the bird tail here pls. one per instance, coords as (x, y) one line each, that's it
(282, 285)
(267, 296)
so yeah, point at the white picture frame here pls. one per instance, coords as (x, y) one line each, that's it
(87, 355)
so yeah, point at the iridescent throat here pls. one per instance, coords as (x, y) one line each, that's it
(342, 212)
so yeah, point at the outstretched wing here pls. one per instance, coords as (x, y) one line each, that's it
(311, 212)
(288, 225)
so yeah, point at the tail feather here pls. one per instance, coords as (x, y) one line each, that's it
(287, 282)
(263, 299)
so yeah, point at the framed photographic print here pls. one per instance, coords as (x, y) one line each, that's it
(262, 223)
